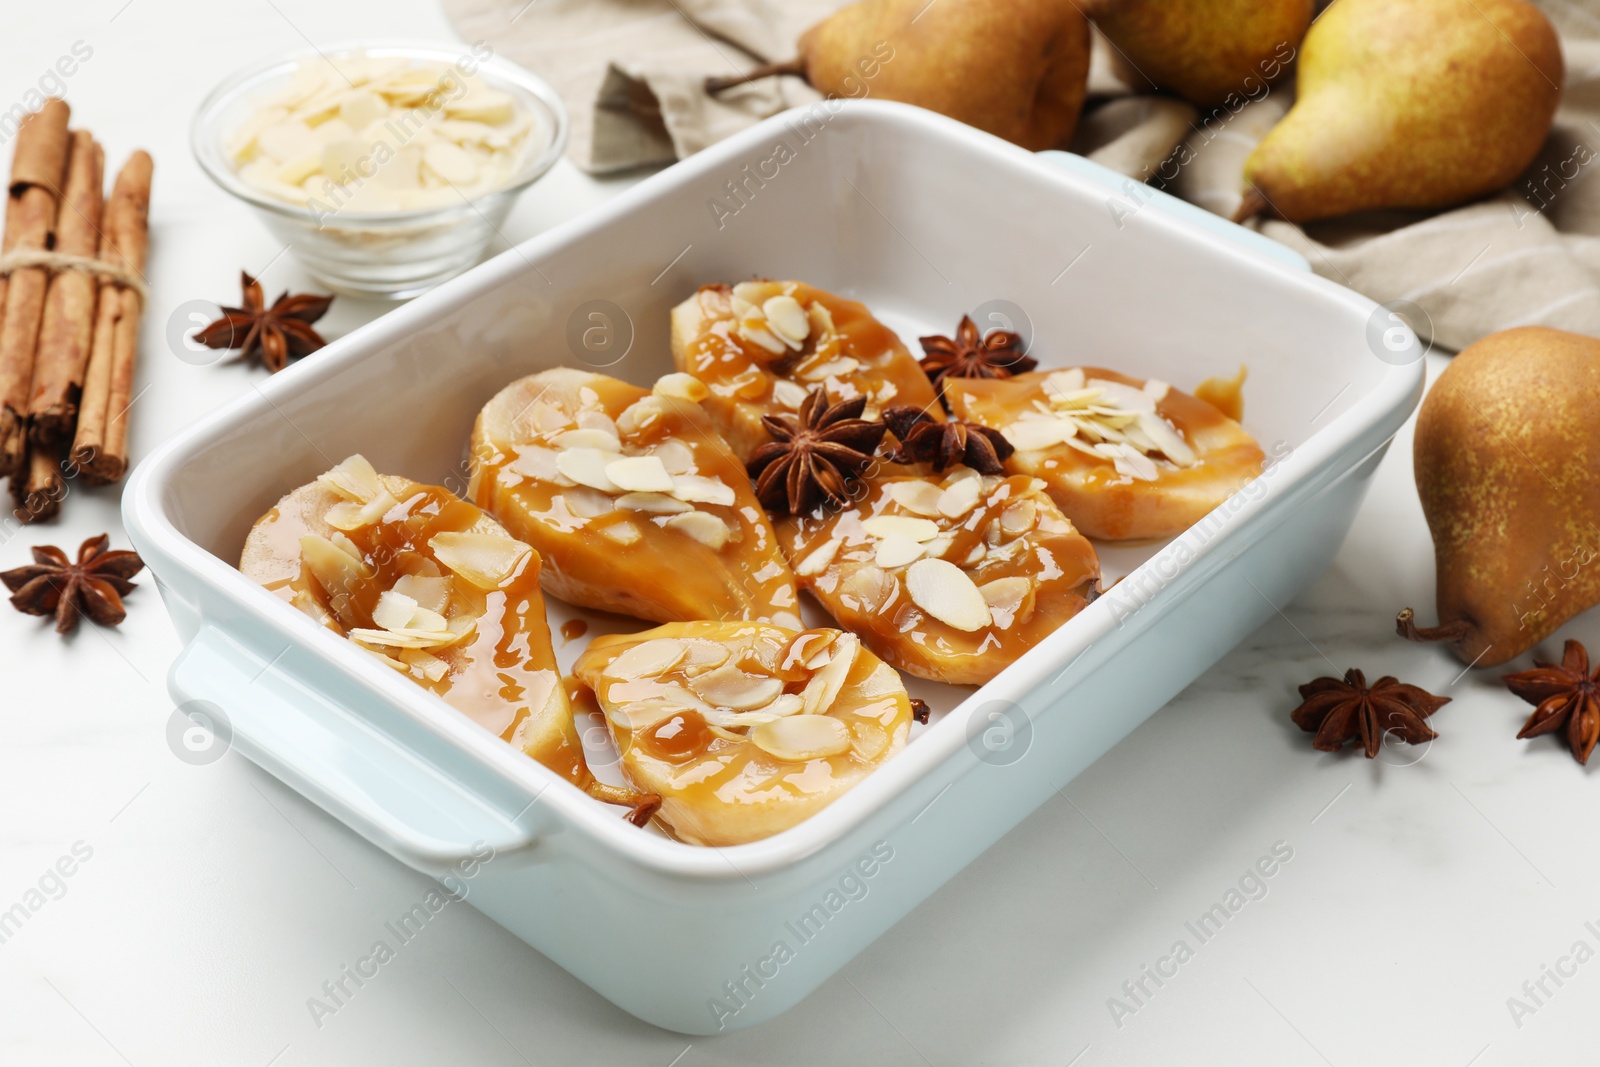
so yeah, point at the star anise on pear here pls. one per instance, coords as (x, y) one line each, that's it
(924, 439)
(815, 455)
(1347, 709)
(273, 335)
(970, 354)
(1566, 695)
(93, 586)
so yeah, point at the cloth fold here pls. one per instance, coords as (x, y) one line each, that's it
(632, 74)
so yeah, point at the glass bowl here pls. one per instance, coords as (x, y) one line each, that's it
(392, 254)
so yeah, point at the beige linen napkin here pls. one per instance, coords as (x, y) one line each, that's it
(631, 73)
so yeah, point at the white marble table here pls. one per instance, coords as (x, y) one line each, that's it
(1423, 890)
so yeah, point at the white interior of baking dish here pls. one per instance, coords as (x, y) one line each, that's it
(922, 219)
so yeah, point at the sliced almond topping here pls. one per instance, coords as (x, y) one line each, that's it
(649, 659)
(917, 497)
(704, 655)
(488, 561)
(975, 557)
(1035, 435)
(1167, 440)
(1019, 517)
(593, 418)
(432, 593)
(783, 704)
(960, 498)
(833, 368)
(1005, 594)
(653, 503)
(393, 610)
(903, 525)
(729, 687)
(587, 466)
(336, 570)
(707, 529)
(819, 558)
(758, 335)
(539, 463)
(401, 639)
(639, 474)
(623, 533)
(787, 319)
(790, 394)
(946, 592)
(354, 479)
(424, 663)
(702, 490)
(1156, 389)
(868, 585)
(586, 503)
(640, 416)
(587, 438)
(681, 386)
(676, 456)
(897, 550)
(750, 295)
(940, 545)
(547, 418)
(823, 688)
(797, 738)
(350, 515)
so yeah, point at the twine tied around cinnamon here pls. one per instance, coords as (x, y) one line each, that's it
(56, 262)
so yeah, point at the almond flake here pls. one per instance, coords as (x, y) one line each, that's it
(901, 525)
(834, 368)
(676, 456)
(756, 335)
(653, 503)
(623, 533)
(1035, 435)
(945, 592)
(681, 386)
(798, 738)
(896, 550)
(960, 498)
(707, 529)
(639, 474)
(349, 515)
(789, 394)
(488, 561)
(1019, 517)
(917, 497)
(786, 318)
(1156, 389)
(649, 659)
(432, 593)
(818, 559)
(426, 665)
(586, 503)
(729, 687)
(354, 479)
(824, 686)
(702, 490)
(587, 466)
(393, 610)
(640, 416)
(539, 463)
(605, 442)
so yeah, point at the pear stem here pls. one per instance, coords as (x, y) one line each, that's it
(642, 805)
(793, 66)
(1405, 625)
(1252, 205)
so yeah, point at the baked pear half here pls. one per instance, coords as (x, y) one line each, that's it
(635, 503)
(761, 346)
(437, 590)
(744, 729)
(951, 577)
(1125, 459)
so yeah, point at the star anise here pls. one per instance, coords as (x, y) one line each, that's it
(923, 439)
(970, 354)
(1566, 695)
(1346, 709)
(93, 586)
(274, 335)
(815, 456)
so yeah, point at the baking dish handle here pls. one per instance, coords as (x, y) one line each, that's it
(353, 771)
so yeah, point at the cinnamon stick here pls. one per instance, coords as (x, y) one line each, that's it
(100, 449)
(37, 170)
(69, 308)
(40, 489)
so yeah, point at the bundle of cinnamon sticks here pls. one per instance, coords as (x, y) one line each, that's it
(71, 292)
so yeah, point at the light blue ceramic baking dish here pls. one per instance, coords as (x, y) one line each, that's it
(924, 219)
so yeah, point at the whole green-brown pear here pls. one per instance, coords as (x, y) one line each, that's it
(1507, 459)
(1018, 69)
(1203, 50)
(1409, 104)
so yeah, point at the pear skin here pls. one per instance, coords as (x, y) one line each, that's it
(1018, 69)
(1204, 50)
(1423, 104)
(1506, 454)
